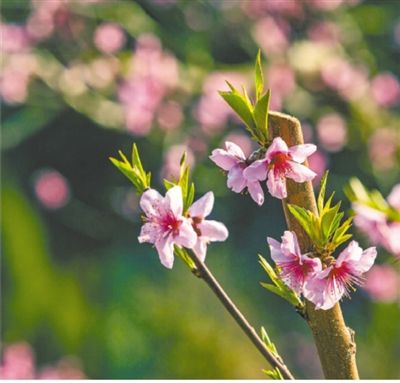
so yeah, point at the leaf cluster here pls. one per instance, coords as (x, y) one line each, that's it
(356, 192)
(278, 287)
(254, 115)
(188, 188)
(133, 170)
(326, 229)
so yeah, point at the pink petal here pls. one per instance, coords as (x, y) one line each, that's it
(299, 153)
(276, 252)
(366, 261)
(236, 181)
(322, 293)
(165, 248)
(351, 254)
(300, 173)
(223, 159)
(290, 246)
(203, 206)
(200, 249)
(256, 192)
(149, 233)
(278, 145)
(235, 150)
(257, 171)
(151, 202)
(173, 200)
(213, 230)
(276, 185)
(187, 237)
(394, 197)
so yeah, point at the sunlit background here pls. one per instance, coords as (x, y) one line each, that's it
(81, 79)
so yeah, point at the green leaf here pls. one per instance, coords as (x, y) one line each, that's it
(321, 194)
(136, 158)
(168, 184)
(274, 374)
(259, 76)
(267, 341)
(304, 217)
(261, 114)
(327, 220)
(239, 104)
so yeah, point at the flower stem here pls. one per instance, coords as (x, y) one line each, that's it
(335, 341)
(204, 273)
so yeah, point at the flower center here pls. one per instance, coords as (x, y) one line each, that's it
(279, 163)
(171, 223)
(195, 224)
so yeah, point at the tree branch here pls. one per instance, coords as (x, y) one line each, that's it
(204, 273)
(334, 341)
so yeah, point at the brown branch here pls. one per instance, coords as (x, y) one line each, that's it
(335, 344)
(204, 273)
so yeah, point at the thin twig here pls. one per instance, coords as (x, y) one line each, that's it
(204, 273)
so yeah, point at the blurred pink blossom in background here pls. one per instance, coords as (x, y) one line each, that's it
(318, 163)
(171, 166)
(332, 132)
(212, 112)
(382, 283)
(385, 89)
(52, 189)
(109, 38)
(19, 363)
(14, 38)
(382, 148)
(152, 74)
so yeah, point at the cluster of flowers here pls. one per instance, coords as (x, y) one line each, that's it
(279, 162)
(166, 225)
(324, 286)
(19, 363)
(376, 225)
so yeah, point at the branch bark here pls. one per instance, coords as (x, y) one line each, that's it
(204, 273)
(335, 343)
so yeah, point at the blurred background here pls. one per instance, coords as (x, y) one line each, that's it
(81, 79)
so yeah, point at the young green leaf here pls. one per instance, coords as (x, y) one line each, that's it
(321, 194)
(261, 114)
(259, 76)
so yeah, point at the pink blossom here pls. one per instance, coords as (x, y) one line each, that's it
(272, 35)
(165, 226)
(242, 140)
(281, 162)
(318, 163)
(368, 220)
(295, 268)
(394, 197)
(14, 38)
(172, 157)
(207, 230)
(382, 283)
(109, 38)
(324, 31)
(328, 286)
(52, 189)
(233, 161)
(390, 237)
(170, 116)
(18, 362)
(332, 132)
(385, 89)
(382, 147)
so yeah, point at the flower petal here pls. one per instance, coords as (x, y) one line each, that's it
(299, 153)
(151, 202)
(257, 171)
(203, 206)
(290, 246)
(149, 233)
(394, 197)
(223, 159)
(256, 192)
(300, 173)
(235, 150)
(165, 248)
(276, 252)
(278, 145)
(213, 230)
(351, 254)
(276, 185)
(187, 237)
(173, 200)
(236, 181)
(200, 249)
